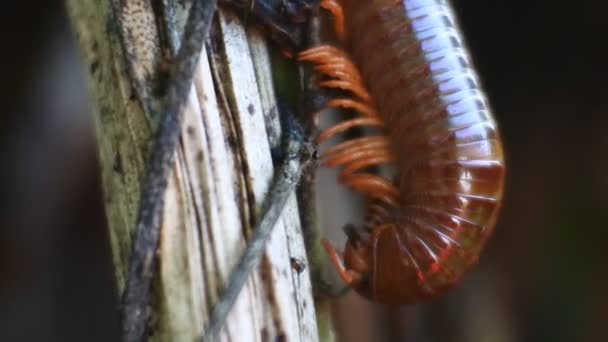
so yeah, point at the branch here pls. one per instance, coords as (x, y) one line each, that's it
(219, 179)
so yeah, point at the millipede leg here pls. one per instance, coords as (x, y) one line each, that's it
(338, 13)
(350, 277)
(342, 74)
(296, 156)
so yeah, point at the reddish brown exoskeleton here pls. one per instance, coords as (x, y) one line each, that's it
(410, 78)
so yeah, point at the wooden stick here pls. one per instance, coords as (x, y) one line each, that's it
(221, 174)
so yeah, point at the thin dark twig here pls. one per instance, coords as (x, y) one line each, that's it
(147, 230)
(297, 156)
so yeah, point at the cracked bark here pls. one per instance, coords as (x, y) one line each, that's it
(220, 176)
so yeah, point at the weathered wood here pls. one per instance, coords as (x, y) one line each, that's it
(220, 177)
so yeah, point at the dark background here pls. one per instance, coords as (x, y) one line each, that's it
(542, 278)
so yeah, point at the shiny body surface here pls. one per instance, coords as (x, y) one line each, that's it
(426, 227)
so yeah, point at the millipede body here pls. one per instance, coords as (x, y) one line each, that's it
(403, 68)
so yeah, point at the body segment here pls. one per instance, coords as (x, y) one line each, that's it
(414, 81)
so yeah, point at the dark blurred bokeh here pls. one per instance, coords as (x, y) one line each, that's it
(543, 277)
(56, 280)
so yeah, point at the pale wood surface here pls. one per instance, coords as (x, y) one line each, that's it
(222, 172)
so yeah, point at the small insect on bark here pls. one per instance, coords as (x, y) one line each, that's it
(408, 75)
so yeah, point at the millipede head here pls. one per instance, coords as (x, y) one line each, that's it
(379, 268)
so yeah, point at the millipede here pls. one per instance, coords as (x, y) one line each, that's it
(402, 67)
(429, 160)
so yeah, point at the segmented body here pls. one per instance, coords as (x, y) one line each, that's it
(407, 73)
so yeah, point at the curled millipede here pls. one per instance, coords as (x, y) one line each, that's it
(406, 73)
